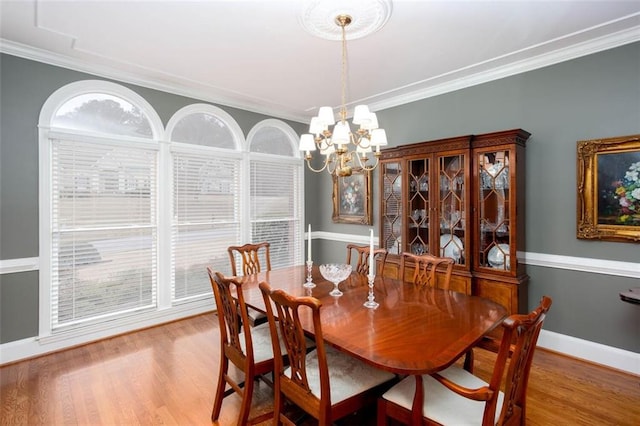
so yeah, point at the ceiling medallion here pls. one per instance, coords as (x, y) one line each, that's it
(368, 16)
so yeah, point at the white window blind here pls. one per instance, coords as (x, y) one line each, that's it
(117, 201)
(275, 209)
(206, 219)
(104, 228)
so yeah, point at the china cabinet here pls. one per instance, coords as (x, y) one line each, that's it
(463, 198)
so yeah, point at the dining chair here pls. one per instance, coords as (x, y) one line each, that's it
(249, 256)
(248, 348)
(425, 267)
(324, 383)
(489, 342)
(455, 396)
(362, 258)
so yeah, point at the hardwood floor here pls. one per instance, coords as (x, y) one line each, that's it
(167, 374)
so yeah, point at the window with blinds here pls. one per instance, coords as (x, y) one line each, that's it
(130, 222)
(207, 170)
(206, 219)
(103, 244)
(275, 195)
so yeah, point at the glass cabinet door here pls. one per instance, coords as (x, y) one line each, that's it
(452, 207)
(457, 198)
(419, 207)
(494, 223)
(392, 212)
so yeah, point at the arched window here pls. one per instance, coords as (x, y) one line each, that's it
(272, 137)
(276, 191)
(132, 214)
(99, 195)
(102, 113)
(206, 160)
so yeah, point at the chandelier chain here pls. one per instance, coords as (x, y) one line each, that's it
(343, 107)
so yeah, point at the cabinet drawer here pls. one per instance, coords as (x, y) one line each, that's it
(510, 295)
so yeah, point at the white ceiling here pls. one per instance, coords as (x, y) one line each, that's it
(256, 55)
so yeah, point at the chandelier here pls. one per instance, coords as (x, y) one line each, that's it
(342, 148)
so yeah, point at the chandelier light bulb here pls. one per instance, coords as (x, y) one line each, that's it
(341, 133)
(379, 138)
(361, 114)
(316, 127)
(307, 143)
(371, 123)
(326, 117)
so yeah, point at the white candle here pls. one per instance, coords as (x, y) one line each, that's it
(372, 262)
(309, 244)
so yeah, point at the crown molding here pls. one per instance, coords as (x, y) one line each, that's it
(187, 89)
(617, 39)
(385, 100)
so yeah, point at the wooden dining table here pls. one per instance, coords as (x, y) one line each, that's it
(415, 330)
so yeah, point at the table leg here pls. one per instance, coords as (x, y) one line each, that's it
(418, 400)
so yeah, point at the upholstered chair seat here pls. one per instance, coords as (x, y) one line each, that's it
(323, 382)
(262, 348)
(348, 376)
(454, 396)
(440, 404)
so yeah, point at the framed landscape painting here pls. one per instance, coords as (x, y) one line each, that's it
(609, 189)
(352, 198)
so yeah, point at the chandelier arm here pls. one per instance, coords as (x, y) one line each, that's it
(331, 159)
(322, 143)
(327, 160)
(358, 140)
(368, 168)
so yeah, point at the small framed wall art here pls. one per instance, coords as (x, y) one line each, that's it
(352, 198)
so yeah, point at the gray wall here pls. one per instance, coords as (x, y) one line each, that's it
(596, 96)
(591, 97)
(24, 87)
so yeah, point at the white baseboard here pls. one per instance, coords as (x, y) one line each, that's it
(597, 353)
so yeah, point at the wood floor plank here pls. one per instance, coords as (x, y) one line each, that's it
(166, 376)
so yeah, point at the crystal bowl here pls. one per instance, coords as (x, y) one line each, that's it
(336, 273)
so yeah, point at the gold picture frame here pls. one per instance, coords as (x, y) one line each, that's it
(609, 189)
(352, 198)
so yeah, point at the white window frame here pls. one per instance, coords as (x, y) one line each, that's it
(236, 153)
(165, 310)
(295, 160)
(46, 132)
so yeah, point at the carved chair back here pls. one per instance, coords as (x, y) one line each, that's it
(250, 255)
(362, 258)
(425, 269)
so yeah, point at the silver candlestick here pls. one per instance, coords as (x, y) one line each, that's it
(309, 283)
(371, 303)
